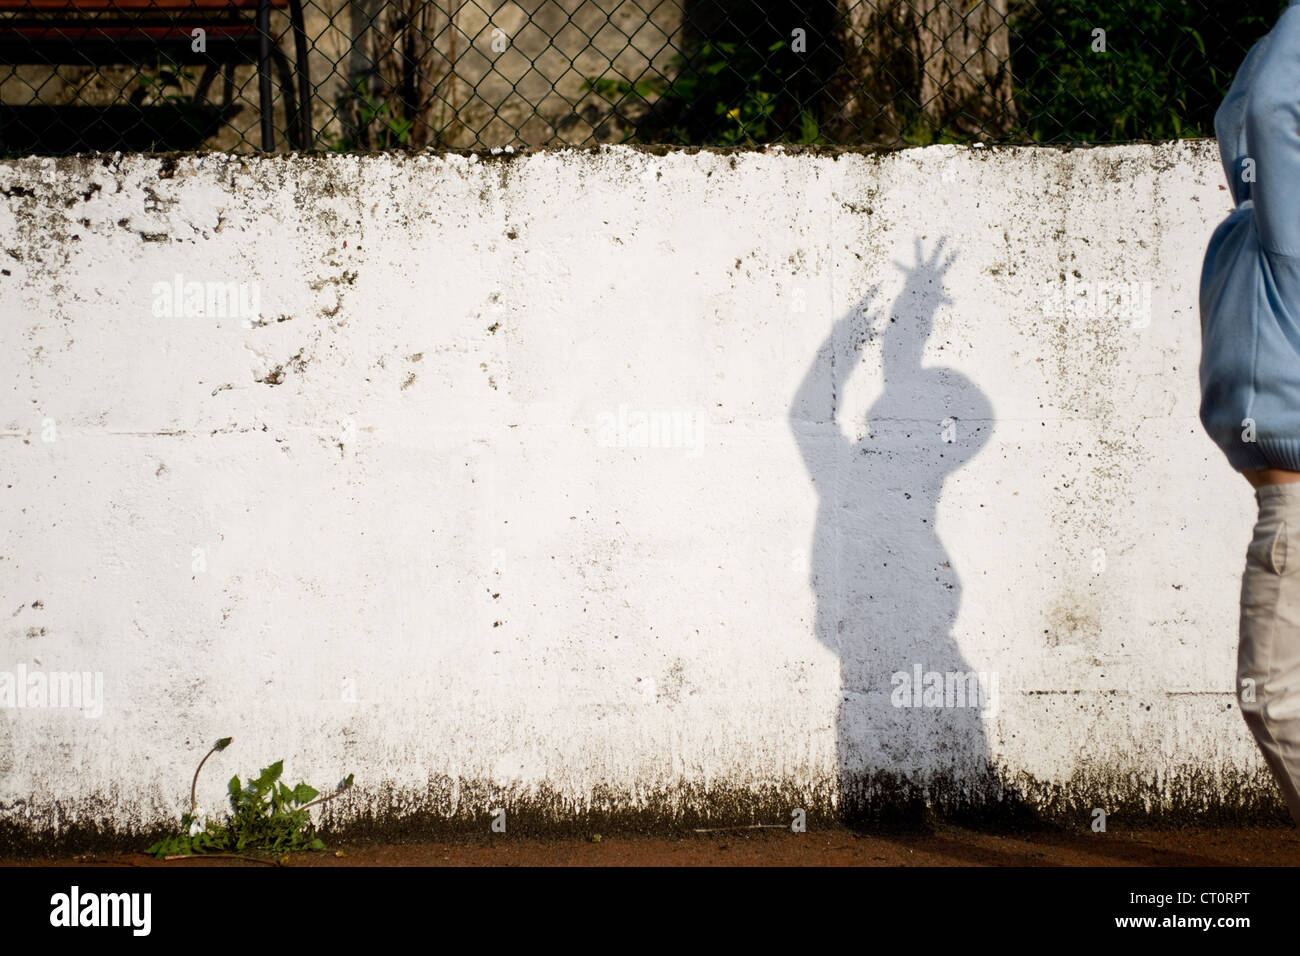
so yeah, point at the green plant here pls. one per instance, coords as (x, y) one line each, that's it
(1158, 77)
(725, 93)
(165, 85)
(378, 122)
(265, 814)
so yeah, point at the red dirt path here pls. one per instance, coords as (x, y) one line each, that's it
(944, 846)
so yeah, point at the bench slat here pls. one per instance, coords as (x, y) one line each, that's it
(130, 6)
(73, 34)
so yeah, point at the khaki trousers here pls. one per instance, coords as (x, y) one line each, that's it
(1268, 653)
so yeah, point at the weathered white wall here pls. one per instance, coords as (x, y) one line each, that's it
(389, 529)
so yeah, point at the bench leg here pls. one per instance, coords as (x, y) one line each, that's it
(264, 74)
(304, 75)
(292, 126)
(205, 83)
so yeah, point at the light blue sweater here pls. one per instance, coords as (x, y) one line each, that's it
(1250, 279)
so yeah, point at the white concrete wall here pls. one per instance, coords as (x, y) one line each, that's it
(396, 526)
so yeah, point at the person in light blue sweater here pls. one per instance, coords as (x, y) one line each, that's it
(1250, 377)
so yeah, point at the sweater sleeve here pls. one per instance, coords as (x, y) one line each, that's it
(1273, 137)
(1230, 125)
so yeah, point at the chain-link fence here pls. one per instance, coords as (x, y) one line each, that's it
(87, 75)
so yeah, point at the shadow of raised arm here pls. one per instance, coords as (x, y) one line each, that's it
(835, 360)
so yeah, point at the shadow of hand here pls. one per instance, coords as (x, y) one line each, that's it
(926, 272)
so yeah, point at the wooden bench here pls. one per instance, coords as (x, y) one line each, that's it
(138, 32)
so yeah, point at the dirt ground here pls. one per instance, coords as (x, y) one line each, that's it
(944, 845)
